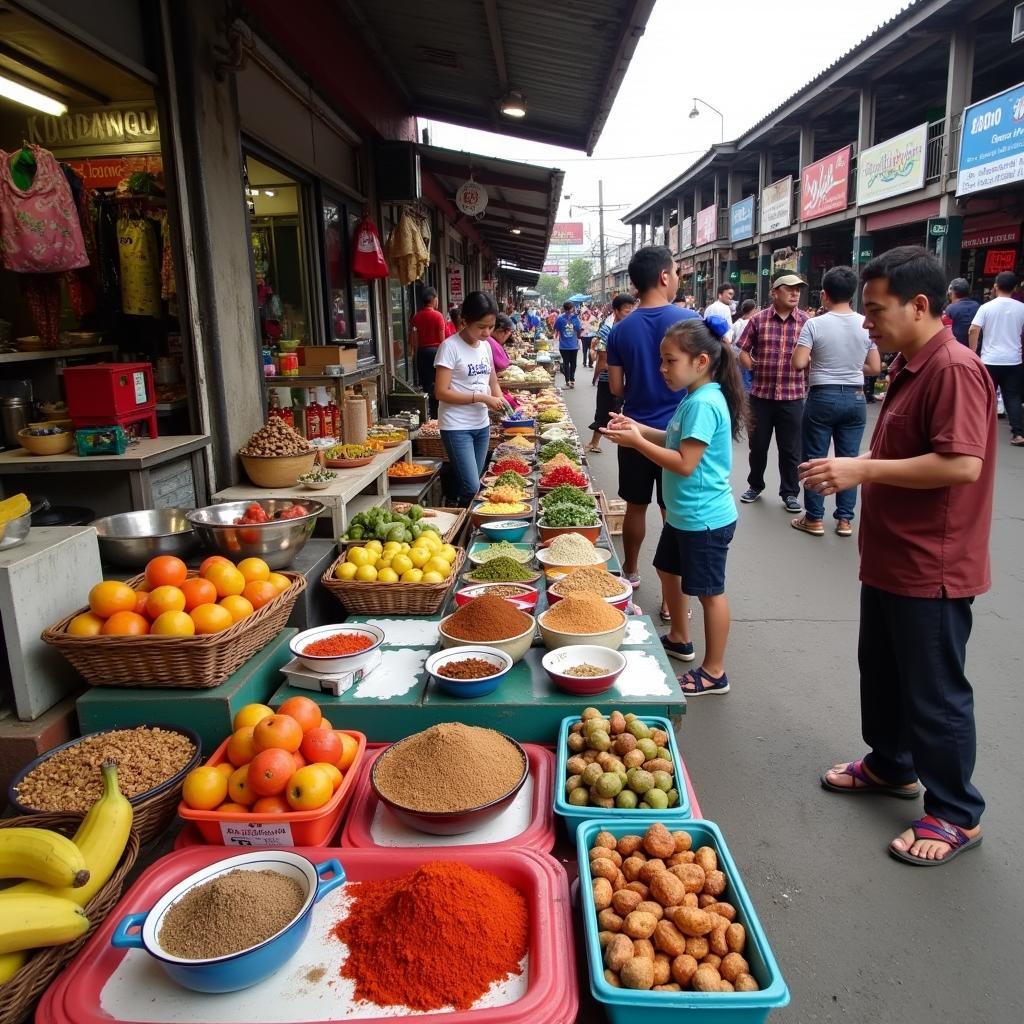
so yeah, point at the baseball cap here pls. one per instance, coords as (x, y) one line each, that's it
(789, 279)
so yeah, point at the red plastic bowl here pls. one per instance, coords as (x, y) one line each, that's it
(622, 603)
(577, 654)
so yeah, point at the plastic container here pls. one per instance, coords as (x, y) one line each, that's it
(371, 826)
(574, 815)
(296, 828)
(104, 985)
(480, 687)
(555, 662)
(624, 1006)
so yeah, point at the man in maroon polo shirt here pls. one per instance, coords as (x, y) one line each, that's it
(927, 491)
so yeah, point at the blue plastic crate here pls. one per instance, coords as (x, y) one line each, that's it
(630, 1006)
(574, 815)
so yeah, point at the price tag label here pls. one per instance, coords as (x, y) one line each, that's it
(269, 834)
(139, 379)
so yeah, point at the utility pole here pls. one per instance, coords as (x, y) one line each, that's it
(600, 230)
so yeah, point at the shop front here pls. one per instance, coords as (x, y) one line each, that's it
(990, 244)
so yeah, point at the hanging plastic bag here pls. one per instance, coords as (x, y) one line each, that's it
(367, 254)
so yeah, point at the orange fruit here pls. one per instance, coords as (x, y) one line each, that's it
(281, 583)
(300, 761)
(213, 560)
(226, 768)
(250, 715)
(321, 745)
(164, 599)
(324, 724)
(85, 624)
(230, 807)
(110, 597)
(204, 788)
(349, 749)
(239, 607)
(259, 593)
(304, 710)
(269, 772)
(308, 789)
(279, 732)
(240, 749)
(173, 624)
(141, 597)
(211, 618)
(226, 578)
(254, 569)
(125, 624)
(166, 571)
(198, 591)
(238, 786)
(270, 805)
(332, 773)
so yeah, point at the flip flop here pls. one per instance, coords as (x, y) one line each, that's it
(930, 827)
(696, 677)
(868, 784)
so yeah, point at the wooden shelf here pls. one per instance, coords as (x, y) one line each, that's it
(55, 353)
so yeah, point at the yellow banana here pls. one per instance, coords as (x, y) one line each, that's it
(101, 837)
(30, 919)
(10, 964)
(42, 855)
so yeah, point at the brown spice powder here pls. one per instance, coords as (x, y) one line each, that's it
(590, 579)
(487, 618)
(232, 912)
(582, 614)
(449, 767)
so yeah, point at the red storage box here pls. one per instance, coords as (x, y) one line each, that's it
(105, 394)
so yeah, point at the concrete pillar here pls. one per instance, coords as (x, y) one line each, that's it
(959, 78)
(862, 254)
(680, 206)
(203, 115)
(764, 272)
(866, 120)
(632, 238)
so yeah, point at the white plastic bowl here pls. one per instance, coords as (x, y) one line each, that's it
(328, 663)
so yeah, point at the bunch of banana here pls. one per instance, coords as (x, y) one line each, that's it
(12, 508)
(47, 910)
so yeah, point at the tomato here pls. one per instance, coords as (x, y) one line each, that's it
(304, 710)
(198, 591)
(111, 596)
(166, 571)
(125, 624)
(321, 745)
(278, 731)
(269, 772)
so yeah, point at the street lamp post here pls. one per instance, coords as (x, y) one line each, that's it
(696, 113)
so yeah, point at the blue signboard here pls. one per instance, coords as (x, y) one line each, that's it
(992, 143)
(741, 219)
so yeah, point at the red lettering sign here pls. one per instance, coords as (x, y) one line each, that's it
(998, 260)
(982, 239)
(825, 185)
(567, 232)
(107, 171)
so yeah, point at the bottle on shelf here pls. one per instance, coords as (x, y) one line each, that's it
(313, 417)
(332, 414)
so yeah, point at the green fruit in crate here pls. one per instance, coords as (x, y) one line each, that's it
(639, 781)
(662, 781)
(673, 797)
(649, 748)
(608, 784)
(627, 800)
(579, 797)
(656, 799)
(638, 730)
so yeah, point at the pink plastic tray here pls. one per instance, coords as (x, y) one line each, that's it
(551, 995)
(538, 835)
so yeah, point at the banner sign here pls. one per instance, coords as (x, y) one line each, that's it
(707, 225)
(551, 268)
(777, 205)
(686, 235)
(825, 185)
(673, 238)
(567, 232)
(893, 167)
(741, 219)
(471, 198)
(993, 236)
(992, 143)
(107, 171)
(455, 295)
(998, 260)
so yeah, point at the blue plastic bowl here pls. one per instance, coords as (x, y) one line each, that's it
(625, 1006)
(469, 687)
(248, 966)
(574, 815)
(518, 423)
(511, 530)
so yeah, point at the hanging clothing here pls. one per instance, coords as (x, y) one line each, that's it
(168, 285)
(84, 284)
(407, 255)
(42, 296)
(108, 261)
(140, 266)
(39, 228)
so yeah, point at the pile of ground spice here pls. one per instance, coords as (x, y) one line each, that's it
(582, 614)
(572, 549)
(232, 912)
(586, 671)
(590, 579)
(486, 619)
(467, 668)
(503, 549)
(505, 591)
(504, 570)
(449, 767)
(436, 938)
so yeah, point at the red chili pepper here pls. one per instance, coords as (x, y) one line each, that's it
(510, 464)
(563, 475)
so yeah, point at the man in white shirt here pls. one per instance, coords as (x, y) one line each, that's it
(999, 325)
(723, 307)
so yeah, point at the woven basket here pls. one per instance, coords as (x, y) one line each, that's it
(152, 812)
(391, 598)
(179, 662)
(18, 997)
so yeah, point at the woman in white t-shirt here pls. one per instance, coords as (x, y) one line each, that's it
(466, 387)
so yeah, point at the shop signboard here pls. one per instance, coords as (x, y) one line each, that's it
(673, 238)
(992, 143)
(998, 260)
(741, 220)
(686, 235)
(567, 232)
(777, 205)
(107, 171)
(892, 167)
(992, 236)
(550, 268)
(471, 198)
(455, 293)
(95, 127)
(748, 277)
(707, 225)
(825, 185)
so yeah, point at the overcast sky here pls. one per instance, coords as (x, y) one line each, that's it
(752, 57)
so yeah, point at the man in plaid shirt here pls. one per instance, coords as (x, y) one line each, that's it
(778, 392)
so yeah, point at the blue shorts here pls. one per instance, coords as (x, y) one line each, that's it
(697, 556)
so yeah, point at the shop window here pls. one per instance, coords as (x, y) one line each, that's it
(336, 256)
(401, 314)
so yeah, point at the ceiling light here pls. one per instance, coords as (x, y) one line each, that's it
(269, 192)
(22, 94)
(515, 229)
(514, 105)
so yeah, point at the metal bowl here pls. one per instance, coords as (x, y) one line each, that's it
(14, 532)
(276, 542)
(131, 539)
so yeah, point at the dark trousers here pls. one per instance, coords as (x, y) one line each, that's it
(916, 705)
(425, 372)
(585, 342)
(784, 418)
(1010, 381)
(569, 357)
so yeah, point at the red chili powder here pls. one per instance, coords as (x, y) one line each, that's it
(339, 643)
(438, 937)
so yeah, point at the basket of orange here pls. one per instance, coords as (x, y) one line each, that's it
(282, 778)
(174, 627)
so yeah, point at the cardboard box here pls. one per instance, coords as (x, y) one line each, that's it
(316, 357)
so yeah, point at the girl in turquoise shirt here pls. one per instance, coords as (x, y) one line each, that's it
(695, 454)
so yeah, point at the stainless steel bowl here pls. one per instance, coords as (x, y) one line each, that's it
(14, 532)
(276, 542)
(131, 539)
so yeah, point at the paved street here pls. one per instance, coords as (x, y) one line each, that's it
(859, 937)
